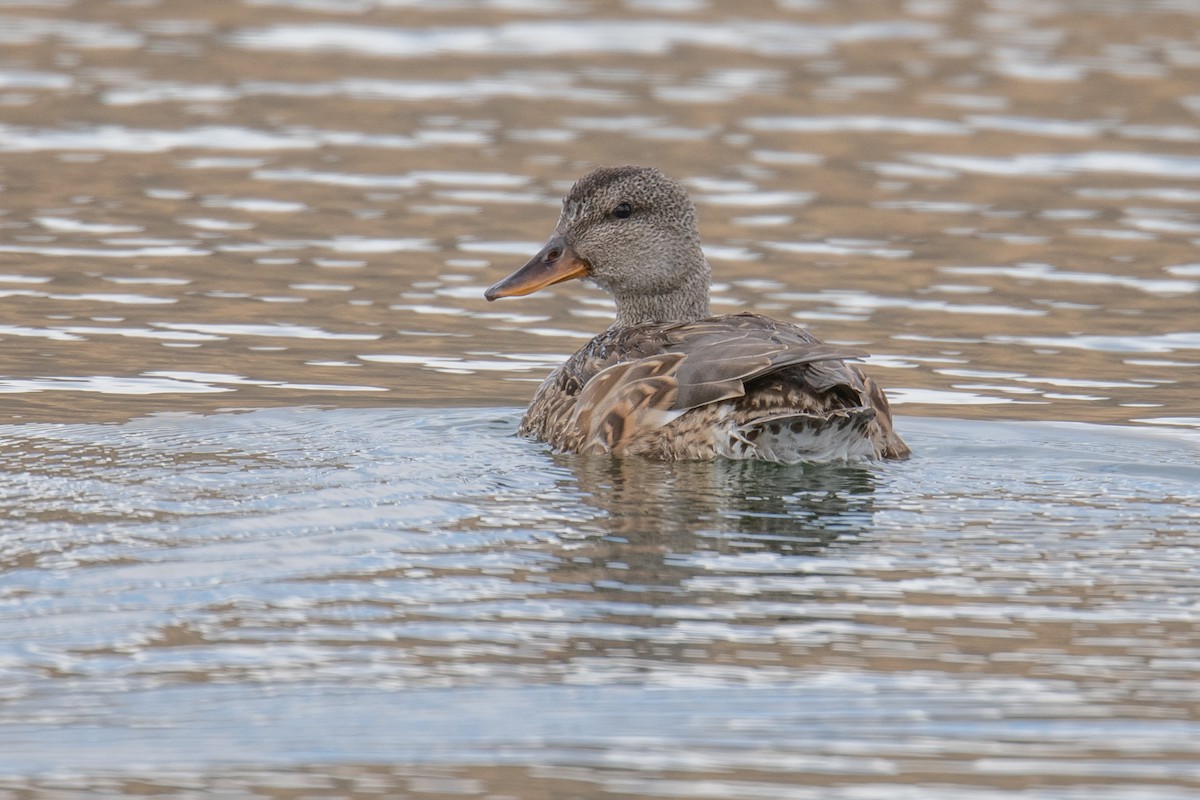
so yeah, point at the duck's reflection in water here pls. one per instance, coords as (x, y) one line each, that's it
(653, 515)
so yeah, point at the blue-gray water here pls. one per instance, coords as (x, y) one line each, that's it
(256, 600)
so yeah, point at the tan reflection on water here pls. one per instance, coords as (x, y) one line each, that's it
(280, 203)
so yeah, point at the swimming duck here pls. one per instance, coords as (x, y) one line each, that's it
(669, 381)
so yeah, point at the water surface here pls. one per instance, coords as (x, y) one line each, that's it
(363, 598)
(267, 532)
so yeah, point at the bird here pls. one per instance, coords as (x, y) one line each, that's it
(668, 380)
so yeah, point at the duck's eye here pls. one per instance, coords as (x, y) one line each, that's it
(622, 211)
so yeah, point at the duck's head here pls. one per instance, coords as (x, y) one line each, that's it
(631, 231)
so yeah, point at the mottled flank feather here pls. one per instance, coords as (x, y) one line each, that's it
(668, 381)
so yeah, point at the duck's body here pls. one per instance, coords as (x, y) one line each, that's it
(667, 380)
(738, 386)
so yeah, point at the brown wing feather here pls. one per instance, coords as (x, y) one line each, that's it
(725, 353)
(623, 400)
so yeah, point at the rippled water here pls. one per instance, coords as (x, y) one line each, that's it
(247, 204)
(266, 531)
(300, 599)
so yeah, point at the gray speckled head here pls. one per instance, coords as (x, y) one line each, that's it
(636, 230)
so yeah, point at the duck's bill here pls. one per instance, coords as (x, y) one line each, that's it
(555, 263)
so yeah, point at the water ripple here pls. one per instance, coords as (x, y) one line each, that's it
(1046, 272)
(550, 38)
(1039, 164)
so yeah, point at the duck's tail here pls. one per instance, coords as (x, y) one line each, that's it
(841, 434)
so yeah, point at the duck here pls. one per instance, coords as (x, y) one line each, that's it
(668, 380)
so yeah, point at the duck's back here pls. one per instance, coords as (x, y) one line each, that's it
(738, 386)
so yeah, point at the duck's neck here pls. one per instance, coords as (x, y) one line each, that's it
(685, 303)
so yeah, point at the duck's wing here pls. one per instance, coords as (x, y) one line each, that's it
(704, 363)
(812, 401)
